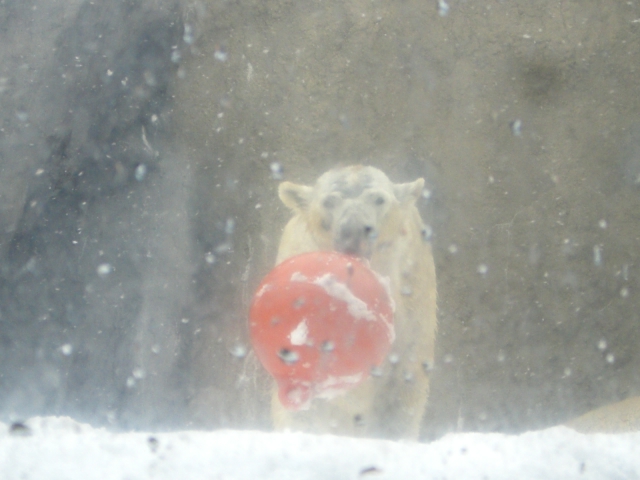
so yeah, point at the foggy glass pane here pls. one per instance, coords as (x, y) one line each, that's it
(145, 150)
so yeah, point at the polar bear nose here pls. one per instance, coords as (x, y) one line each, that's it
(355, 238)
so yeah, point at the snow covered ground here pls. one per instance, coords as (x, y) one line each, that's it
(55, 448)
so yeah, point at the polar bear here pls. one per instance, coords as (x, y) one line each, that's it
(359, 211)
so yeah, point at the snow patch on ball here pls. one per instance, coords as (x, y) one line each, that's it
(264, 288)
(356, 307)
(298, 335)
(298, 277)
(335, 386)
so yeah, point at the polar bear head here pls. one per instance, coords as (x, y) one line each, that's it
(352, 209)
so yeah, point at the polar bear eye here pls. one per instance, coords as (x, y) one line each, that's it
(379, 200)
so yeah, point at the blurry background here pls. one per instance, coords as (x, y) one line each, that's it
(141, 144)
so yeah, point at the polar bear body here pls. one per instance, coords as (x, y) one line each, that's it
(358, 210)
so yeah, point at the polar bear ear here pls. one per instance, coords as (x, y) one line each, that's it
(296, 197)
(408, 192)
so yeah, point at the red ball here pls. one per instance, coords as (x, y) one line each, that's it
(319, 322)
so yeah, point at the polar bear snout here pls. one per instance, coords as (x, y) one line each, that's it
(355, 237)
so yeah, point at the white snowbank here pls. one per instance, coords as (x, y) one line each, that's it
(60, 448)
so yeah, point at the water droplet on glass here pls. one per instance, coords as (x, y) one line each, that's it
(276, 170)
(597, 255)
(220, 54)
(448, 358)
(427, 233)
(140, 172)
(176, 56)
(602, 223)
(22, 115)
(327, 346)
(516, 127)
(210, 258)
(483, 269)
(66, 349)
(104, 269)
(153, 444)
(394, 358)
(223, 248)
(427, 367)
(453, 249)
(426, 194)
(501, 356)
(443, 8)
(229, 226)
(155, 349)
(288, 356)
(188, 34)
(624, 292)
(350, 269)
(131, 382)
(602, 345)
(238, 351)
(610, 358)
(150, 78)
(138, 373)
